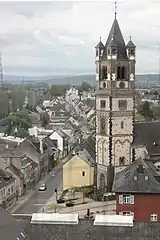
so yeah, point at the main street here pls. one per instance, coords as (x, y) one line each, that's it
(39, 199)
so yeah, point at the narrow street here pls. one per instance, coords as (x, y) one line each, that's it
(38, 199)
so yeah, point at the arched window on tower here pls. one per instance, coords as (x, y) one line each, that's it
(118, 72)
(103, 72)
(123, 73)
(104, 85)
(122, 161)
(96, 53)
(122, 125)
(102, 125)
(132, 51)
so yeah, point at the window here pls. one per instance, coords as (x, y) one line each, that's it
(123, 73)
(122, 125)
(122, 104)
(132, 52)
(102, 125)
(113, 51)
(127, 213)
(12, 189)
(103, 103)
(104, 71)
(122, 161)
(122, 85)
(9, 191)
(153, 217)
(83, 173)
(118, 72)
(96, 53)
(126, 199)
(104, 85)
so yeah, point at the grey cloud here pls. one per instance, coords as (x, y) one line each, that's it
(28, 9)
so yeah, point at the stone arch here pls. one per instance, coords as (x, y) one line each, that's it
(102, 181)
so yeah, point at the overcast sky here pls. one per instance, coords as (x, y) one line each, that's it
(44, 38)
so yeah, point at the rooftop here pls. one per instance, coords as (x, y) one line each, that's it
(139, 177)
(100, 228)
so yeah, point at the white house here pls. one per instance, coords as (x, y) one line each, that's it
(60, 139)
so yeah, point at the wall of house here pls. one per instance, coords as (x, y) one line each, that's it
(144, 205)
(19, 183)
(73, 173)
(4, 162)
(55, 136)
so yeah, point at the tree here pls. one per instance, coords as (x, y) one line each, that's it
(58, 90)
(85, 87)
(17, 123)
(156, 112)
(145, 110)
(45, 118)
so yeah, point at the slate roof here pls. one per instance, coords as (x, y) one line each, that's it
(138, 177)
(10, 229)
(16, 171)
(148, 133)
(61, 114)
(100, 45)
(116, 35)
(130, 44)
(85, 230)
(90, 145)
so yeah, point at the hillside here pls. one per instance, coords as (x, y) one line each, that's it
(146, 80)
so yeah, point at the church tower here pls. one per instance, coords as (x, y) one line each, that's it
(115, 110)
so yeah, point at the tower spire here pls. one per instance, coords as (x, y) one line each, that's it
(115, 12)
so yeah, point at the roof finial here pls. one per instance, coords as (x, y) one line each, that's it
(130, 38)
(100, 39)
(115, 9)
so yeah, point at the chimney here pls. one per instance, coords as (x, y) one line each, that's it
(41, 146)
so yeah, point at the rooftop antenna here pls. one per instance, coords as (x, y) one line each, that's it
(1, 74)
(115, 12)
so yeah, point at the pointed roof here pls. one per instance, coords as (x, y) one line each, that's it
(138, 177)
(130, 44)
(100, 44)
(116, 36)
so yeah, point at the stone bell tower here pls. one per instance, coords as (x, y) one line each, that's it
(115, 92)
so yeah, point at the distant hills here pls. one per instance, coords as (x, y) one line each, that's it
(145, 80)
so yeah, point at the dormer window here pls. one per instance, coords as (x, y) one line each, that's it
(113, 51)
(132, 51)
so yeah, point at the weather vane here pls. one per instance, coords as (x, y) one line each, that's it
(115, 8)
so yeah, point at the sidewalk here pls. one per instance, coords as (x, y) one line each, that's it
(22, 200)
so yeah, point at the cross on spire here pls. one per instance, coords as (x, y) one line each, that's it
(115, 9)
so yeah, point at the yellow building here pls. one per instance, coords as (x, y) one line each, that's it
(78, 171)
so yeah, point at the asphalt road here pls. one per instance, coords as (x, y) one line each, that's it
(39, 199)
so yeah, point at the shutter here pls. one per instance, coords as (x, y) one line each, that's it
(132, 199)
(120, 199)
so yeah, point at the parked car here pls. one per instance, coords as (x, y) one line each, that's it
(43, 187)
